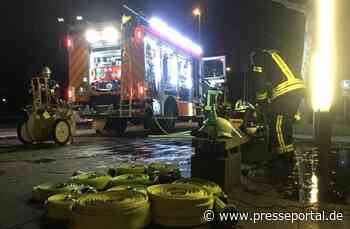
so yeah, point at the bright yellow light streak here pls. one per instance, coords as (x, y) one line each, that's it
(323, 71)
(314, 189)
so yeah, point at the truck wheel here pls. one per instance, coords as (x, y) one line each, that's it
(117, 125)
(148, 120)
(170, 116)
(22, 133)
(61, 132)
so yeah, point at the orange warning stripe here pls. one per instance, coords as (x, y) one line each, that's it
(78, 63)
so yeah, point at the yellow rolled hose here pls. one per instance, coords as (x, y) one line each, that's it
(179, 205)
(134, 187)
(94, 179)
(59, 207)
(165, 172)
(115, 209)
(211, 186)
(127, 168)
(41, 192)
(130, 179)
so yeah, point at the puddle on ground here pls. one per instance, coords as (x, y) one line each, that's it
(306, 185)
(312, 185)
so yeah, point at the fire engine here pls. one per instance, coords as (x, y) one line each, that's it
(137, 71)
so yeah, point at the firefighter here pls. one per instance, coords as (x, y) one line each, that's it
(51, 83)
(46, 73)
(278, 94)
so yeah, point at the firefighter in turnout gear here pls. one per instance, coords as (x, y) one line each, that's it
(278, 94)
(53, 86)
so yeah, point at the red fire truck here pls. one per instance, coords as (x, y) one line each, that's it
(138, 71)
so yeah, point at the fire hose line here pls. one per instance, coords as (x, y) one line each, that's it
(179, 205)
(41, 192)
(130, 179)
(96, 180)
(183, 134)
(160, 126)
(115, 209)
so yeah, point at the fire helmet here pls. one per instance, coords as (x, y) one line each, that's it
(46, 71)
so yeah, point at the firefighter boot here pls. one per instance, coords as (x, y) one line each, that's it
(284, 170)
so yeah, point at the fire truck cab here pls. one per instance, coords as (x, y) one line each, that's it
(138, 71)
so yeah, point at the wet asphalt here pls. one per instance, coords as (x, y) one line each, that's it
(22, 167)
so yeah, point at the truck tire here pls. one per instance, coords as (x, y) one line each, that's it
(117, 125)
(170, 115)
(148, 120)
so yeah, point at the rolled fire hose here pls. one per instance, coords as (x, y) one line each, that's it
(179, 205)
(97, 180)
(126, 168)
(211, 186)
(166, 172)
(220, 206)
(130, 179)
(221, 199)
(59, 207)
(134, 187)
(124, 209)
(41, 192)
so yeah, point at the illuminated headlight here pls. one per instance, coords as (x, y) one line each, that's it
(110, 34)
(92, 36)
(156, 107)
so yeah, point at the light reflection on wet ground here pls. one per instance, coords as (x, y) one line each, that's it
(307, 173)
(23, 168)
(26, 167)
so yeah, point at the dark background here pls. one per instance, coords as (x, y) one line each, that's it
(30, 34)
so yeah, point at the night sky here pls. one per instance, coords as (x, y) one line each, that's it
(30, 33)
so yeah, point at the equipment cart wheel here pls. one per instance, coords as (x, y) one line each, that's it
(61, 132)
(22, 133)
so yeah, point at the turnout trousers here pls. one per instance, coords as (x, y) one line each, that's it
(283, 111)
